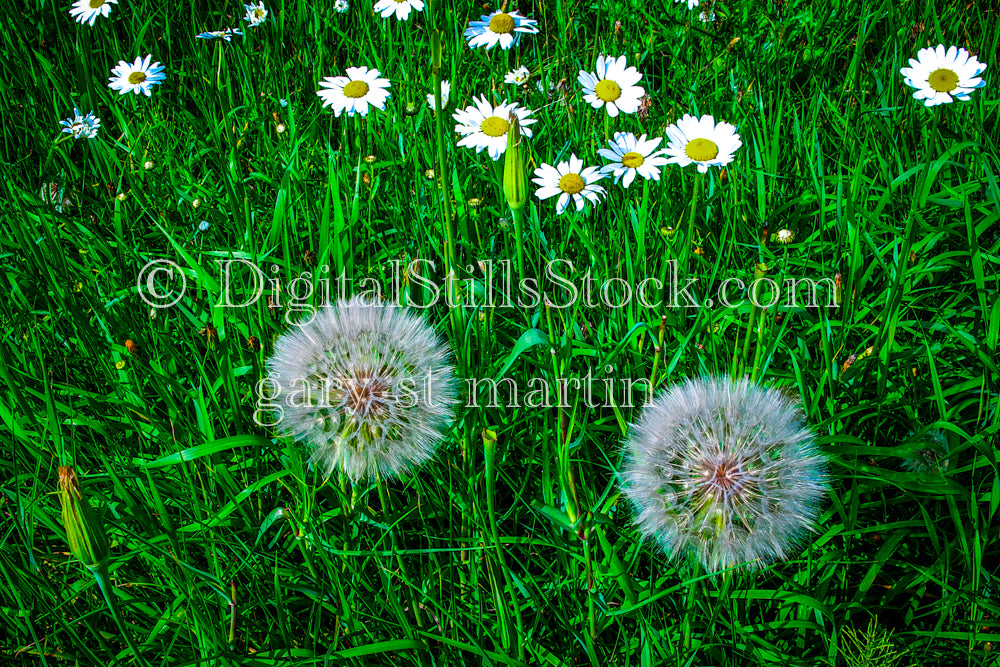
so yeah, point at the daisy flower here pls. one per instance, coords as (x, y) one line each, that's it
(518, 76)
(226, 34)
(569, 180)
(80, 126)
(485, 126)
(702, 141)
(137, 77)
(612, 86)
(355, 92)
(256, 13)
(938, 75)
(87, 11)
(445, 92)
(630, 156)
(341, 6)
(401, 8)
(690, 3)
(725, 472)
(499, 28)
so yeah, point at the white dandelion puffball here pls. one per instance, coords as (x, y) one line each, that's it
(939, 75)
(87, 11)
(136, 77)
(571, 181)
(367, 385)
(630, 155)
(355, 93)
(725, 472)
(612, 86)
(931, 456)
(80, 126)
(501, 28)
(703, 142)
(484, 126)
(401, 8)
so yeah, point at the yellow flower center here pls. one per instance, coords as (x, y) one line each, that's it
(632, 160)
(943, 80)
(608, 90)
(136, 77)
(571, 184)
(356, 89)
(258, 13)
(96, 4)
(494, 126)
(701, 150)
(502, 24)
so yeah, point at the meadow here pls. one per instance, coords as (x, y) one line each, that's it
(151, 264)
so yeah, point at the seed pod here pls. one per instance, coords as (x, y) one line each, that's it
(85, 534)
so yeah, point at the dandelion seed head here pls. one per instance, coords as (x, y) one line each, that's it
(724, 472)
(367, 386)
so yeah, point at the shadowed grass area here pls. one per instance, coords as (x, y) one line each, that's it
(227, 548)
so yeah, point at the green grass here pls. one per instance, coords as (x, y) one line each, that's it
(227, 549)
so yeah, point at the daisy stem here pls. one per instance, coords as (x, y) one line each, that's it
(689, 237)
(218, 69)
(489, 457)
(449, 255)
(760, 270)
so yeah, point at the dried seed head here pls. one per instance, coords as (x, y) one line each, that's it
(373, 392)
(725, 472)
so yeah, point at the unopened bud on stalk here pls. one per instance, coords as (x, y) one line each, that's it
(85, 534)
(515, 186)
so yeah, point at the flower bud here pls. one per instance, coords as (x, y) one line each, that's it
(85, 534)
(515, 186)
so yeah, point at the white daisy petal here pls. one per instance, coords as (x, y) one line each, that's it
(136, 77)
(571, 181)
(355, 93)
(503, 28)
(612, 85)
(87, 11)
(80, 126)
(256, 13)
(941, 76)
(445, 94)
(485, 126)
(702, 141)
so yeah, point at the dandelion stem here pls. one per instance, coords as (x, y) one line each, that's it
(489, 448)
(384, 500)
(518, 216)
